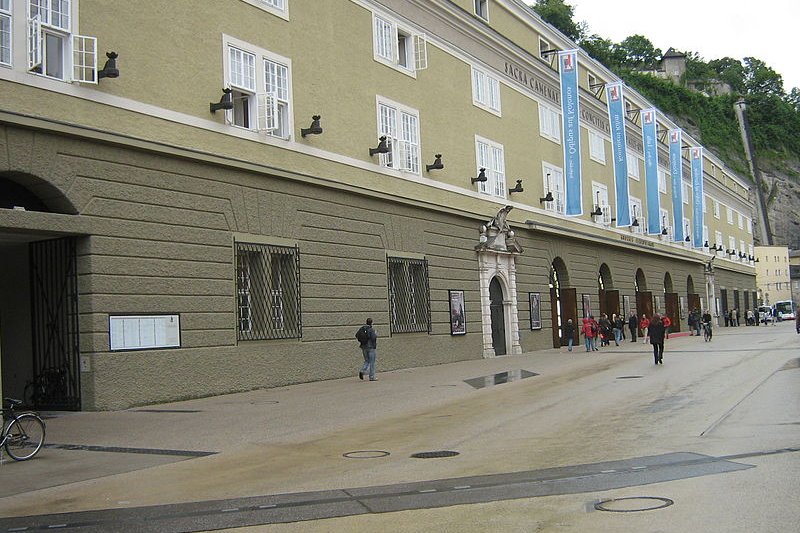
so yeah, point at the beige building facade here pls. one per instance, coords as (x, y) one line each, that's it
(773, 274)
(195, 204)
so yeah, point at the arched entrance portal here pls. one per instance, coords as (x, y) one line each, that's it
(607, 295)
(39, 333)
(563, 303)
(497, 317)
(671, 303)
(692, 298)
(644, 298)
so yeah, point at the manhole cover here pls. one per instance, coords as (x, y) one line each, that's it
(633, 504)
(365, 454)
(434, 455)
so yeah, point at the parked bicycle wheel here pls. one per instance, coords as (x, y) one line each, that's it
(24, 436)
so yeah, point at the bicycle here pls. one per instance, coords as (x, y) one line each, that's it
(23, 433)
(707, 331)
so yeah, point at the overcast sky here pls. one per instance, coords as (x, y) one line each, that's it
(765, 29)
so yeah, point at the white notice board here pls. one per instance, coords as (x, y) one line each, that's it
(143, 332)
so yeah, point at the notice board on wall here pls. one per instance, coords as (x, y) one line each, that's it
(144, 332)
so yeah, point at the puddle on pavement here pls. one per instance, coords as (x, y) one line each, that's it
(500, 378)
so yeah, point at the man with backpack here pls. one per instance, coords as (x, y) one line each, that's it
(368, 340)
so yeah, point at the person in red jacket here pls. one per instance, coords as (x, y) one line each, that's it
(589, 330)
(667, 323)
(644, 323)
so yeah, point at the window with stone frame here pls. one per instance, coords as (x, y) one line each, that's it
(409, 295)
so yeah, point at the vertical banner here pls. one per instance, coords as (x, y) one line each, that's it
(616, 118)
(697, 196)
(676, 171)
(651, 171)
(568, 63)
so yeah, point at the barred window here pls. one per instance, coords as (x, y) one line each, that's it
(409, 300)
(267, 292)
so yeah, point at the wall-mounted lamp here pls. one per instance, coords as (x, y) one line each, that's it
(635, 223)
(437, 163)
(597, 211)
(756, 260)
(517, 188)
(313, 129)
(664, 226)
(382, 148)
(481, 176)
(687, 239)
(226, 102)
(547, 198)
(705, 245)
(110, 69)
(719, 247)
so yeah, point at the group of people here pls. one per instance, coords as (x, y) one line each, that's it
(654, 330)
(698, 321)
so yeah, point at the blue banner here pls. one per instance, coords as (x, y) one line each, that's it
(676, 170)
(568, 62)
(648, 117)
(616, 118)
(697, 196)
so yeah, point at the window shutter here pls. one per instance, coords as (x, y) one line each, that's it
(403, 159)
(420, 52)
(606, 214)
(267, 104)
(84, 59)
(34, 43)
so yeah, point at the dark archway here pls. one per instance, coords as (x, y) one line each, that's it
(563, 302)
(18, 189)
(671, 303)
(497, 313)
(692, 298)
(607, 296)
(644, 298)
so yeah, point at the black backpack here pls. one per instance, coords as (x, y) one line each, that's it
(362, 335)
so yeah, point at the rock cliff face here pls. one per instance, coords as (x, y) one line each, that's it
(783, 204)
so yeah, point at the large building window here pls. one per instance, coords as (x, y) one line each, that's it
(399, 47)
(554, 184)
(482, 9)
(53, 50)
(5, 32)
(261, 90)
(400, 125)
(633, 166)
(267, 292)
(485, 91)
(409, 300)
(597, 147)
(490, 157)
(550, 124)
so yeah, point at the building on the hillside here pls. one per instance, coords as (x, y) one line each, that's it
(200, 199)
(794, 275)
(773, 274)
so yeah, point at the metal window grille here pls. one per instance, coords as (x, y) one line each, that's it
(409, 295)
(267, 292)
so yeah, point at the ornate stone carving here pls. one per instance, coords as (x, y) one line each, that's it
(497, 235)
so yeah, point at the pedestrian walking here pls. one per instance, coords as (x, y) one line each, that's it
(656, 333)
(797, 321)
(605, 330)
(633, 324)
(644, 324)
(667, 321)
(368, 340)
(569, 333)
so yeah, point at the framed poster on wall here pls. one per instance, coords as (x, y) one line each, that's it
(587, 305)
(458, 321)
(535, 300)
(626, 306)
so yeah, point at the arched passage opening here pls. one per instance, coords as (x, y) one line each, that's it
(39, 332)
(671, 303)
(497, 314)
(607, 295)
(563, 303)
(692, 298)
(644, 298)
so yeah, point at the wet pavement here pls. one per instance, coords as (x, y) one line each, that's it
(537, 427)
